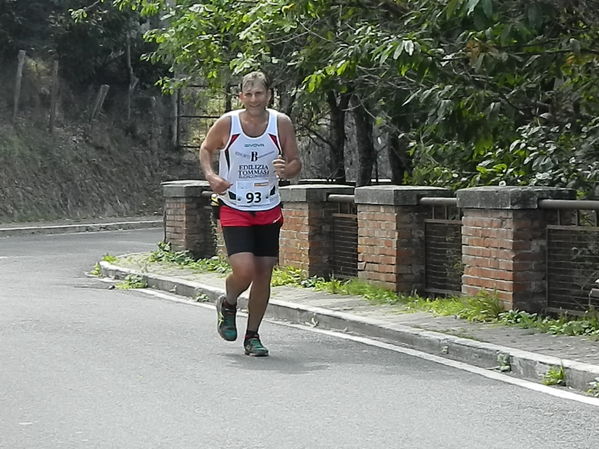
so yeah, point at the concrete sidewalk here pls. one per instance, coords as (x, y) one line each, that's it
(527, 354)
(83, 225)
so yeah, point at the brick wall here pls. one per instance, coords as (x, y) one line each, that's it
(391, 235)
(504, 243)
(188, 218)
(503, 234)
(306, 234)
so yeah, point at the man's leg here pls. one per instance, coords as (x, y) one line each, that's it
(259, 296)
(242, 275)
(236, 283)
(260, 291)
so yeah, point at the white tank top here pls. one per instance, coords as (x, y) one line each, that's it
(246, 162)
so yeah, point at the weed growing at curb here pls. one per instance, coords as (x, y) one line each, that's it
(109, 258)
(201, 297)
(132, 281)
(96, 270)
(164, 254)
(556, 375)
(594, 388)
(505, 363)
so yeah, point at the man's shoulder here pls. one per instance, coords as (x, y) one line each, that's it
(281, 116)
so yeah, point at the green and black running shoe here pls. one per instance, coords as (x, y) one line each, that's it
(253, 346)
(226, 320)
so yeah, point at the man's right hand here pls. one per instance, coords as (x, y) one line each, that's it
(218, 184)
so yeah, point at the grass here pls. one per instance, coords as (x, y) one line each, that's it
(556, 375)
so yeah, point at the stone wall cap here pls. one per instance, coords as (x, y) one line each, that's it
(184, 188)
(310, 193)
(398, 195)
(510, 197)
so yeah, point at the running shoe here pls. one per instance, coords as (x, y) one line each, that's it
(253, 346)
(226, 320)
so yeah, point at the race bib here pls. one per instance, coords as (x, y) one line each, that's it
(256, 191)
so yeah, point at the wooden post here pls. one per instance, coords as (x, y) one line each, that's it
(54, 96)
(21, 63)
(99, 101)
(175, 122)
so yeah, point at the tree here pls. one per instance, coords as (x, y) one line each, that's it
(470, 92)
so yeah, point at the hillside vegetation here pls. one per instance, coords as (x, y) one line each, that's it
(111, 166)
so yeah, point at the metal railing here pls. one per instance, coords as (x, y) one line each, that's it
(344, 237)
(443, 247)
(572, 257)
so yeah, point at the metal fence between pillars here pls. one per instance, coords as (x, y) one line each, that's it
(572, 257)
(344, 236)
(443, 247)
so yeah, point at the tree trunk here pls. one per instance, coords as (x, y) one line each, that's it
(399, 160)
(337, 135)
(18, 80)
(366, 151)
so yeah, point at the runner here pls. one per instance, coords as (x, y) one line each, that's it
(257, 147)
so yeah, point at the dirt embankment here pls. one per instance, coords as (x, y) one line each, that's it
(109, 168)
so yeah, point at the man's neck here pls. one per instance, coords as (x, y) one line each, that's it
(255, 115)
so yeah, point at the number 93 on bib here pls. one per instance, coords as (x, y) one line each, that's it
(256, 191)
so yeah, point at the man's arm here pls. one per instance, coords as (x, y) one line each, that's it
(215, 140)
(290, 164)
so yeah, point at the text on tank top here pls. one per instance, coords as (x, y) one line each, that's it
(246, 162)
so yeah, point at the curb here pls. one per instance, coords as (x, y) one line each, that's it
(523, 364)
(82, 227)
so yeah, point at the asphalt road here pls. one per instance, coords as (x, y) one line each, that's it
(84, 366)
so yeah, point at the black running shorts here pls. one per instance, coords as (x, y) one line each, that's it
(252, 232)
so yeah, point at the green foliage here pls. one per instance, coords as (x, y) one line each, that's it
(594, 388)
(132, 281)
(587, 326)
(484, 307)
(485, 92)
(110, 258)
(89, 40)
(165, 254)
(96, 270)
(481, 92)
(357, 287)
(23, 26)
(505, 364)
(556, 375)
(288, 276)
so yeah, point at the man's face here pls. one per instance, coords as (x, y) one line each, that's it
(254, 96)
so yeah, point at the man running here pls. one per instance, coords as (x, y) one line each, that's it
(257, 147)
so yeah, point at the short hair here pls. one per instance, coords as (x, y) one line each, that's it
(254, 77)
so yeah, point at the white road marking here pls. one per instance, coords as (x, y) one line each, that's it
(562, 394)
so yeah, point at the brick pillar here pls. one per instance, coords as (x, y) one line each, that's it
(504, 243)
(391, 235)
(305, 237)
(188, 218)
